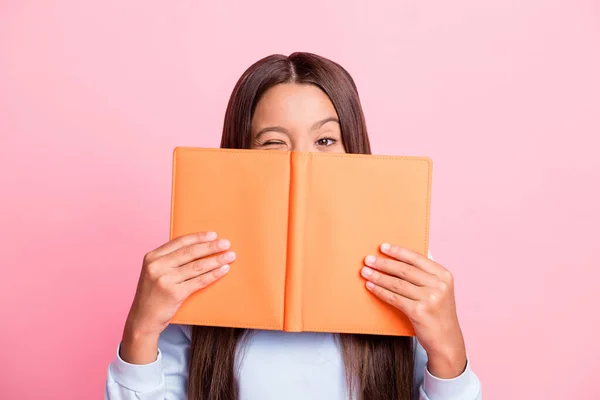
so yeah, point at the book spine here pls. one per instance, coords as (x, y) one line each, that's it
(173, 178)
(292, 321)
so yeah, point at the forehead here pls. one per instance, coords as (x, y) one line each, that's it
(293, 103)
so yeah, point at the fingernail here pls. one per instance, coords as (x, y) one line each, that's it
(224, 269)
(366, 271)
(223, 244)
(229, 256)
(370, 260)
(211, 235)
(370, 285)
(385, 247)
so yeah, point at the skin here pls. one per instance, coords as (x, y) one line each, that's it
(298, 118)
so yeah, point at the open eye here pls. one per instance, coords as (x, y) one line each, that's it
(326, 141)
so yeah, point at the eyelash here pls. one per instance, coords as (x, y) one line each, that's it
(277, 142)
(333, 141)
(272, 142)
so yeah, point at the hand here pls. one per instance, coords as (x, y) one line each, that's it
(169, 275)
(424, 291)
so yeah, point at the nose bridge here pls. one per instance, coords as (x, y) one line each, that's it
(302, 143)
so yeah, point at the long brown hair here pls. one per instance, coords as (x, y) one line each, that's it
(377, 367)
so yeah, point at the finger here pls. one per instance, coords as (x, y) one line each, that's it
(192, 252)
(402, 303)
(411, 257)
(393, 284)
(180, 242)
(202, 266)
(401, 270)
(202, 281)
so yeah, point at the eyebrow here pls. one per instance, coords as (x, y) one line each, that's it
(322, 122)
(281, 129)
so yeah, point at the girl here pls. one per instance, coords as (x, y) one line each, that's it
(303, 102)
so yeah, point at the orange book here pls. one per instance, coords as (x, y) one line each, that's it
(301, 225)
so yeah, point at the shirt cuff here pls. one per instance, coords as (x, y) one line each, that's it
(464, 386)
(137, 377)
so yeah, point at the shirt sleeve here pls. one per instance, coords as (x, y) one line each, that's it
(466, 386)
(164, 379)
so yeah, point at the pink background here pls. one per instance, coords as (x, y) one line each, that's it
(504, 95)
